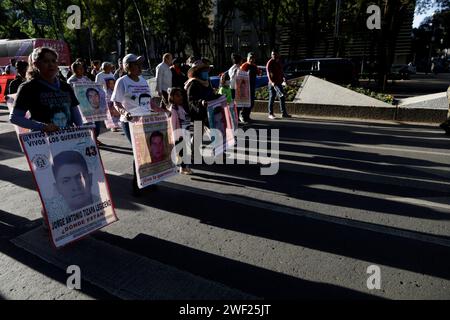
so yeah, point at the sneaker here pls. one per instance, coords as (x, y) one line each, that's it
(186, 171)
(271, 117)
(286, 115)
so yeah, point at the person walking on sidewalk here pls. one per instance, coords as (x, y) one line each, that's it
(276, 78)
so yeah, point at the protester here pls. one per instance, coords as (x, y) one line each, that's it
(180, 120)
(78, 77)
(178, 77)
(95, 69)
(105, 73)
(37, 96)
(224, 88)
(41, 91)
(10, 68)
(164, 79)
(78, 74)
(252, 69)
(21, 67)
(199, 91)
(100, 78)
(232, 72)
(129, 86)
(446, 124)
(115, 115)
(276, 78)
(119, 72)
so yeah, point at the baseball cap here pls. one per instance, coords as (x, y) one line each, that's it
(130, 58)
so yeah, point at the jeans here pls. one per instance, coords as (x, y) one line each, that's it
(273, 94)
(126, 130)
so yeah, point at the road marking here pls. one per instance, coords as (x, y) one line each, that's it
(412, 235)
(399, 136)
(423, 202)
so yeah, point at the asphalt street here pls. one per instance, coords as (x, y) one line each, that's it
(348, 195)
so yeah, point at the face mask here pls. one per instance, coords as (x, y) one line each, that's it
(204, 75)
(227, 83)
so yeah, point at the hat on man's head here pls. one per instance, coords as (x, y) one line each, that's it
(130, 58)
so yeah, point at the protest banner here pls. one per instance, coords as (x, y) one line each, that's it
(71, 182)
(219, 118)
(242, 96)
(10, 98)
(234, 114)
(92, 101)
(153, 142)
(112, 115)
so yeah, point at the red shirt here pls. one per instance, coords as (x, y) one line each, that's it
(275, 71)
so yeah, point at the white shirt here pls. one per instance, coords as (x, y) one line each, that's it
(12, 69)
(73, 79)
(100, 78)
(134, 96)
(232, 73)
(163, 77)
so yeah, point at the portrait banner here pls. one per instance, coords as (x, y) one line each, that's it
(10, 98)
(92, 101)
(71, 182)
(242, 94)
(153, 142)
(234, 115)
(112, 115)
(219, 118)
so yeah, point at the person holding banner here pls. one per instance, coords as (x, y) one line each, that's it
(252, 69)
(180, 120)
(78, 74)
(126, 98)
(199, 92)
(45, 97)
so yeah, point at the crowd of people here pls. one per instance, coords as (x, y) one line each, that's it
(184, 90)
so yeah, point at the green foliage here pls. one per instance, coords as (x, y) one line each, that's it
(379, 96)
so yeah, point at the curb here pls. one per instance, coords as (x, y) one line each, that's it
(393, 113)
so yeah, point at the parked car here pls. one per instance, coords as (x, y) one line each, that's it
(401, 71)
(338, 70)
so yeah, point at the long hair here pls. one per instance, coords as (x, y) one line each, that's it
(37, 55)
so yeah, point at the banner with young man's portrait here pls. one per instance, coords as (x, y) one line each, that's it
(221, 125)
(242, 93)
(71, 182)
(153, 142)
(92, 101)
